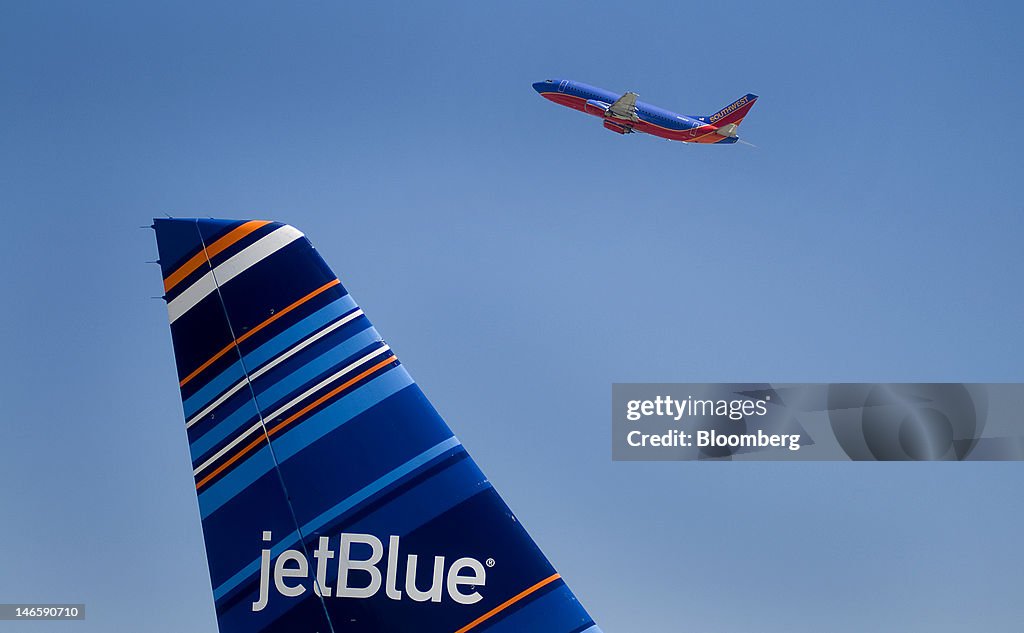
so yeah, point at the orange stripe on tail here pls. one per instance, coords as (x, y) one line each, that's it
(508, 603)
(278, 315)
(211, 251)
(295, 416)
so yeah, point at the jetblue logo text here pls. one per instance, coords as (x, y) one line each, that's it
(362, 578)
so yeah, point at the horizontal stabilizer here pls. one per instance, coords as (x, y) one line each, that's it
(728, 130)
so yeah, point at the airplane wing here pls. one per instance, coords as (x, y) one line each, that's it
(624, 107)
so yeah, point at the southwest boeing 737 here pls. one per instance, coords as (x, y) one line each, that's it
(333, 497)
(623, 114)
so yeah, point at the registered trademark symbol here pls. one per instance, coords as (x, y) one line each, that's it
(490, 562)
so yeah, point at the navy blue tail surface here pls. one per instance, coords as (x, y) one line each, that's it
(333, 496)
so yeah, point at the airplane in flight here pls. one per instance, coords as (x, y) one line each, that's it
(624, 114)
(333, 497)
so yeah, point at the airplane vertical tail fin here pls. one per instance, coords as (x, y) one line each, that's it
(733, 113)
(333, 496)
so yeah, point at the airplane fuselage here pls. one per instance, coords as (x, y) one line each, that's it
(648, 118)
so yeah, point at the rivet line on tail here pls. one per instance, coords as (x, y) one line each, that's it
(213, 250)
(227, 348)
(292, 418)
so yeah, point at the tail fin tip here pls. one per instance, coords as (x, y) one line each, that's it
(734, 112)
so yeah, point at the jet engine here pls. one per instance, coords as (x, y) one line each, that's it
(618, 129)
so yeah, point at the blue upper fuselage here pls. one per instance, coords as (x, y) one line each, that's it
(647, 112)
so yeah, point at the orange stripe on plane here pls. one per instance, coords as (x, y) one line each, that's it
(295, 416)
(276, 316)
(211, 251)
(508, 603)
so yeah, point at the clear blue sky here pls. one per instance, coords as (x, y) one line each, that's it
(520, 259)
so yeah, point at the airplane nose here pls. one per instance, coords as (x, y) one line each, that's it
(542, 86)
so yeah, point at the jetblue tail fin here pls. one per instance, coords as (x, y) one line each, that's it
(732, 114)
(333, 496)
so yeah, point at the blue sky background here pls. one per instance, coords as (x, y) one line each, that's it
(520, 259)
